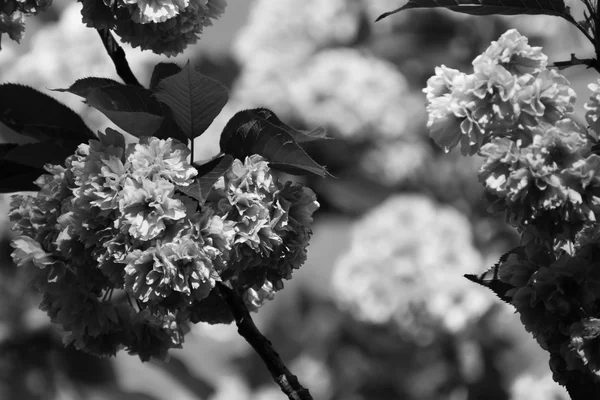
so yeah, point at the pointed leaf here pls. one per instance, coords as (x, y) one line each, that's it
(82, 87)
(18, 177)
(169, 128)
(40, 154)
(491, 280)
(248, 133)
(208, 174)
(131, 108)
(489, 7)
(194, 99)
(161, 71)
(39, 116)
(299, 136)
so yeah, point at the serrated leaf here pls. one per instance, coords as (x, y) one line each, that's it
(299, 136)
(491, 280)
(489, 7)
(131, 108)
(39, 116)
(208, 174)
(248, 133)
(82, 87)
(40, 154)
(161, 71)
(18, 177)
(194, 99)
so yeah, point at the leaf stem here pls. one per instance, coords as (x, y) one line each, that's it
(117, 55)
(283, 377)
(191, 150)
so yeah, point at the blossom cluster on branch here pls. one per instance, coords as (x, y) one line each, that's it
(541, 169)
(124, 259)
(165, 27)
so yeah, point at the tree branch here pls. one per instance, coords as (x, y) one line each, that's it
(283, 377)
(117, 56)
(588, 62)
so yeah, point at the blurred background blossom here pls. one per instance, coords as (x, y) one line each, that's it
(380, 310)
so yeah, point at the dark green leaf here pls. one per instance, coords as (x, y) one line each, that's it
(18, 177)
(489, 7)
(248, 133)
(194, 99)
(161, 71)
(168, 128)
(208, 174)
(298, 135)
(5, 148)
(39, 116)
(40, 154)
(131, 108)
(82, 87)
(491, 280)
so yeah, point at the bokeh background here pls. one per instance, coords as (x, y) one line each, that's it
(380, 310)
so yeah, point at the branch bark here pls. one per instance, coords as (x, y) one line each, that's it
(117, 55)
(288, 382)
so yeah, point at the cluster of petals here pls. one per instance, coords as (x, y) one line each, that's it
(271, 224)
(510, 87)
(546, 177)
(124, 259)
(163, 26)
(557, 299)
(413, 283)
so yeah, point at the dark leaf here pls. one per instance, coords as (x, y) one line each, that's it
(40, 116)
(194, 99)
(489, 7)
(208, 174)
(5, 148)
(18, 177)
(131, 108)
(248, 133)
(168, 128)
(298, 135)
(161, 71)
(491, 280)
(39, 154)
(82, 87)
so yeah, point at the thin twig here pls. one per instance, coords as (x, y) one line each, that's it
(588, 62)
(283, 377)
(117, 56)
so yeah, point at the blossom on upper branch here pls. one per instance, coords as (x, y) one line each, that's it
(165, 26)
(510, 87)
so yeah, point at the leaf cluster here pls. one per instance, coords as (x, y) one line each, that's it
(180, 103)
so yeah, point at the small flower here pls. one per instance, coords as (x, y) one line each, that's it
(513, 53)
(155, 10)
(147, 207)
(592, 107)
(167, 159)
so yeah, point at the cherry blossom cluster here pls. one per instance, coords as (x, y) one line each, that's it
(124, 259)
